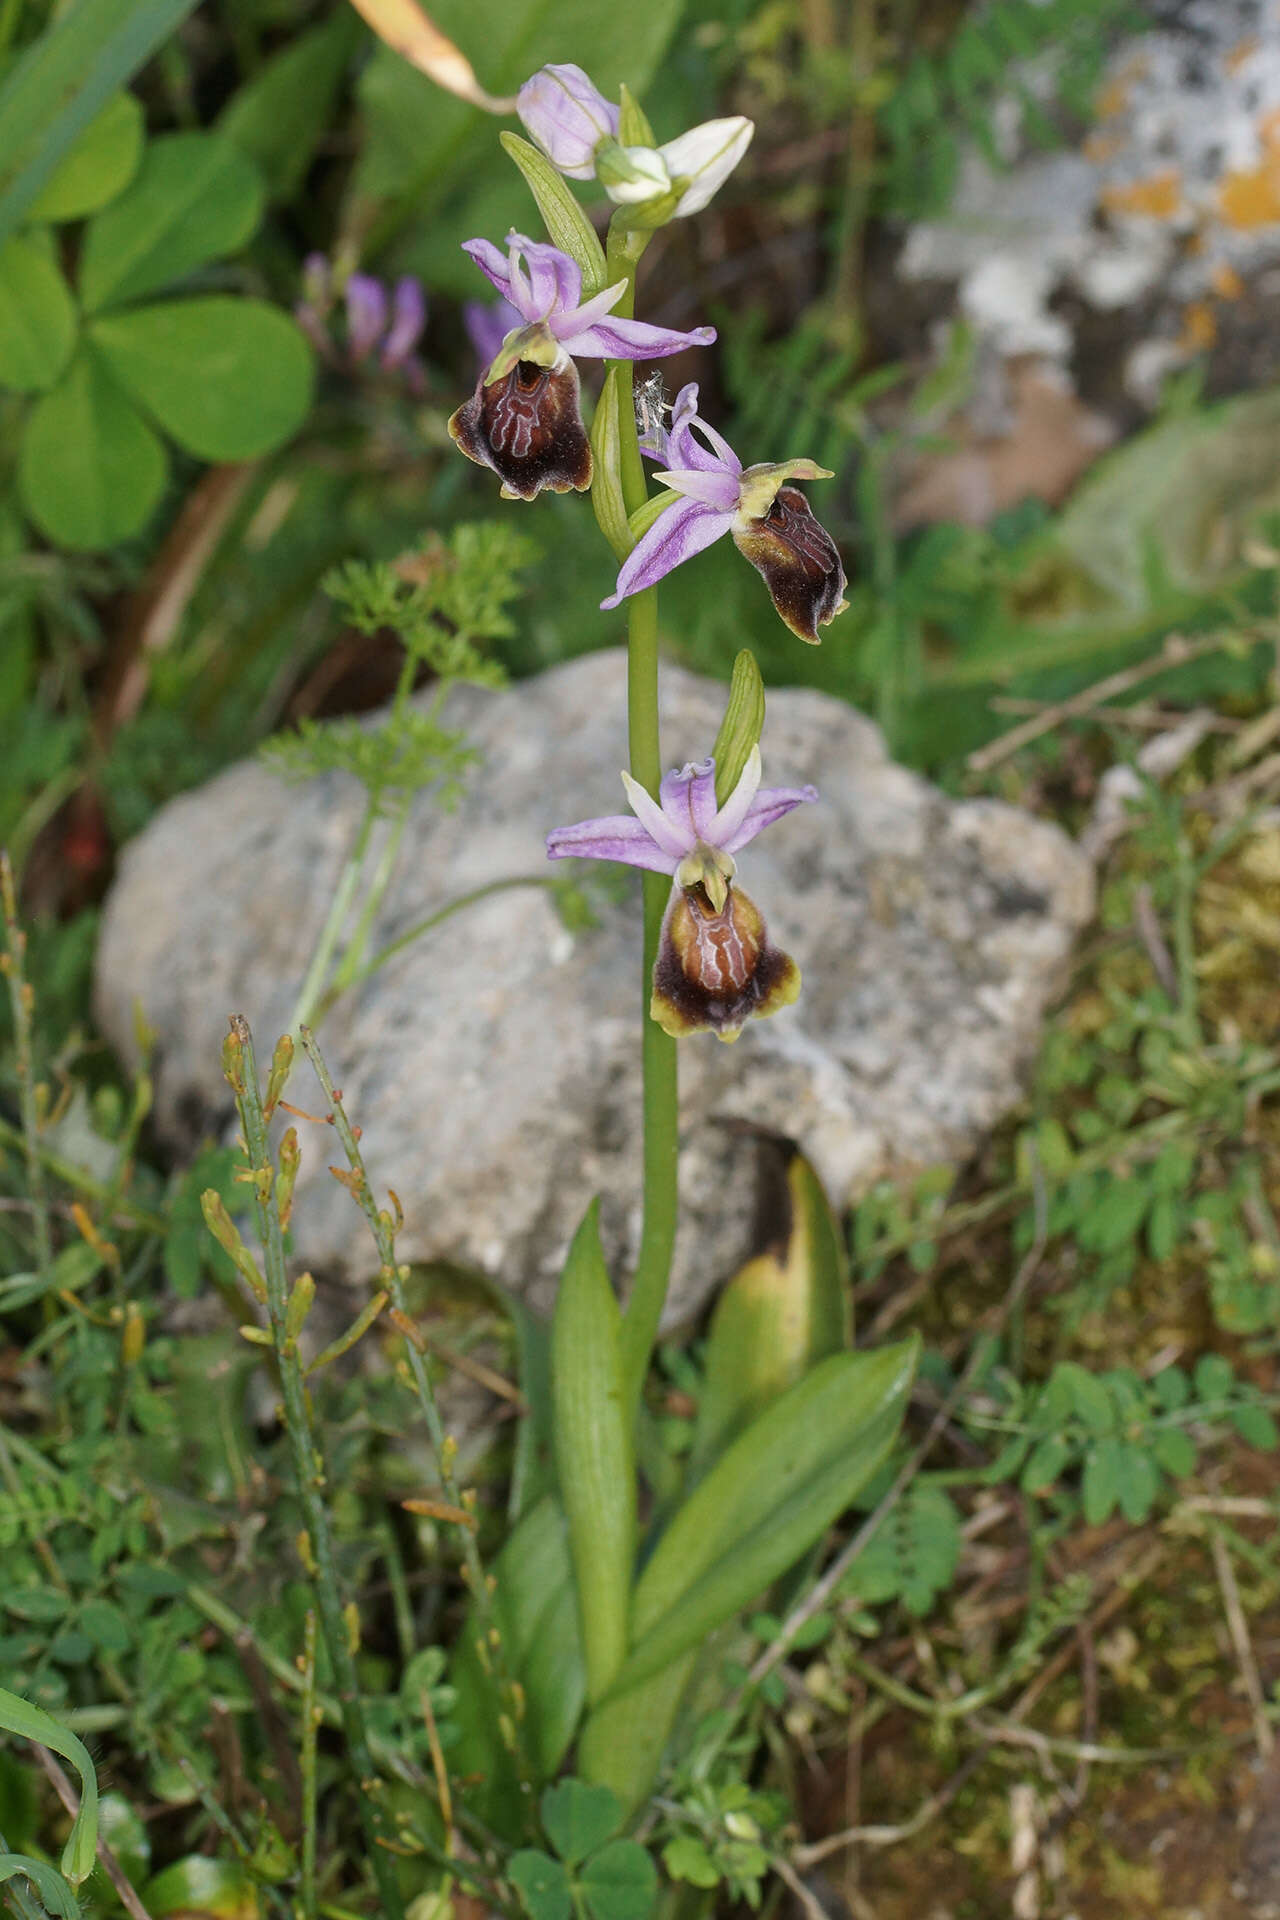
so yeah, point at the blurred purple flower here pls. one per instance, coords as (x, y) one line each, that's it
(391, 328)
(488, 322)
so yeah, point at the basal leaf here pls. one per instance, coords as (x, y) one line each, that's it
(37, 315)
(768, 1498)
(786, 1310)
(195, 197)
(90, 470)
(99, 166)
(594, 1458)
(229, 379)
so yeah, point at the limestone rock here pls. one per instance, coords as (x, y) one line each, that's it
(494, 1064)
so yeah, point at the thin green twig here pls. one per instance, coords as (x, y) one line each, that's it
(242, 1072)
(21, 1002)
(391, 1277)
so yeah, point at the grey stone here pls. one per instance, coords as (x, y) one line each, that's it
(494, 1064)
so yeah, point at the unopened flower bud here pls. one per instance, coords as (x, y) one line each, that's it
(567, 117)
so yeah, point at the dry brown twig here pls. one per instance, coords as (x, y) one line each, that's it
(1176, 652)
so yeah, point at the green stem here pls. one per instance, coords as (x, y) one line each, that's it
(21, 1000)
(658, 1049)
(308, 1466)
(310, 1724)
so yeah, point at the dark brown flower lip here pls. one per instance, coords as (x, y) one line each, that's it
(526, 426)
(715, 971)
(798, 561)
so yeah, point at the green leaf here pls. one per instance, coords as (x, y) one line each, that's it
(620, 1883)
(33, 1723)
(1088, 1396)
(1214, 1377)
(279, 118)
(196, 1884)
(594, 1456)
(577, 1818)
(741, 727)
(542, 1884)
(786, 1310)
(766, 1500)
(90, 471)
(99, 166)
(1101, 1483)
(1046, 1462)
(567, 225)
(624, 1740)
(1255, 1426)
(687, 1859)
(255, 371)
(37, 1603)
(1175, 1451)
(37, 315)
(63, 80)
(47, 1881)
(195, 198)
(1139, 1483)
(105, 1625)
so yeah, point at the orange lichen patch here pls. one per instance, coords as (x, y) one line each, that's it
(1251, 197)
(1239, 54)
(1269, 130)
(1226, 282)
(1113, 98)
(1159, 197)
(1199, 328)
(1101, 147)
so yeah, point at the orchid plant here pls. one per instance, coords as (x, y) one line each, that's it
(587, 1634)
(625, 1650)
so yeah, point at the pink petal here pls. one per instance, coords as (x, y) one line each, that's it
(665, 832)
(555, 281)
(735, 809)
(495, 266)
(613, 837)
(676, 535)
(632, 340)
(712, 485)
(689, 800)
(769, 805)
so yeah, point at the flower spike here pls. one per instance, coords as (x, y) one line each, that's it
(770, 521)
(716, 967)
(523, 420)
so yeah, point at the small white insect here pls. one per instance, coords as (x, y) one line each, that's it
(651, 404)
